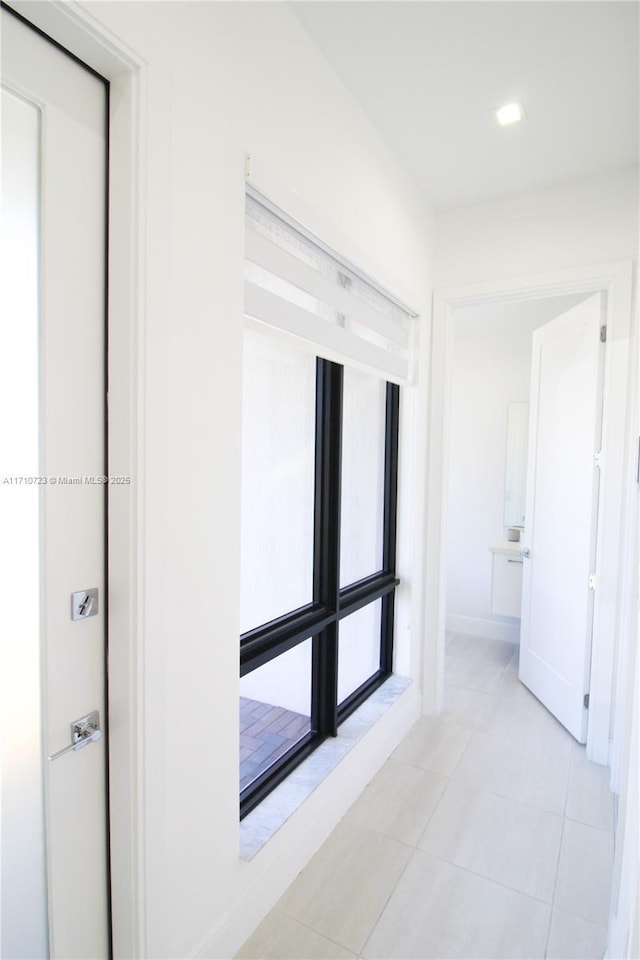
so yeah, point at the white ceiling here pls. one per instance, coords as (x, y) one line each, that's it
(430, 73)
(496, 317)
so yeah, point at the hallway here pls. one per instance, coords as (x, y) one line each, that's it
(486, 834)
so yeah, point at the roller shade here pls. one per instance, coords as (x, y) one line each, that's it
(295, 284)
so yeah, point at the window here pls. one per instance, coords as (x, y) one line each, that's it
(304, 669)
(324, 353)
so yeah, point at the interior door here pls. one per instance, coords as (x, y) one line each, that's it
(52, 501)
(559, 543)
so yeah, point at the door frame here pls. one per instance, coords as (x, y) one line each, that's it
(614, 580)
(74, 27)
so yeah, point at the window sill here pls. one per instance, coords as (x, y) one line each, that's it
(261, 824)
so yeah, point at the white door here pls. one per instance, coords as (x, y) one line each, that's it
(52, 500)
(559, 543)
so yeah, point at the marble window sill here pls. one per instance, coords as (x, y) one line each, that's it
(262, 823)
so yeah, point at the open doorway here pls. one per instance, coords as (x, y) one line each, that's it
(494, 430)
(614, 281)
(491, 373)
(518, 749)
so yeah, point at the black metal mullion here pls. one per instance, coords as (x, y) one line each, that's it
(391, 477)
(359, 594)
(324, 691)
(327, 483)
(386, 632)
(390, 523)
(265, 642)
(326, 560)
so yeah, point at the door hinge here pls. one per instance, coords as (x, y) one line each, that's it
(592, 581)
(603, 334)
(586, 701)
(598, 459)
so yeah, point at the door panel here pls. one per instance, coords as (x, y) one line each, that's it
(561, 512)
(24, 893)
(62, 495)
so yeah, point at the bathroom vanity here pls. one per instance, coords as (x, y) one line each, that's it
(506, 582)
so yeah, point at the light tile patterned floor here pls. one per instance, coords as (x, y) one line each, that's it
(487, 834)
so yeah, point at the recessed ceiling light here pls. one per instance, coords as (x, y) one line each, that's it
(510, 113)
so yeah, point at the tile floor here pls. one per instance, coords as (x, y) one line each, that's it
(266, 733)
(487, 834)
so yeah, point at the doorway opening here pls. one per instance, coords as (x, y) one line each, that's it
(488, 532)
(614, 281)
(516, 750)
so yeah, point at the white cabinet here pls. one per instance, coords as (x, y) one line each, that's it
(506, 585)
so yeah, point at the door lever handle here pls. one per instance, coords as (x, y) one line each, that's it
(83, 731)
(526, 553)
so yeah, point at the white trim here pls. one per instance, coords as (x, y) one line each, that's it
(629, 622)
(75, 28)
(615, 280)
(491, 629)
(127, 516)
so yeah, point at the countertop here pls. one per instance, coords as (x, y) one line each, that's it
(507, 548)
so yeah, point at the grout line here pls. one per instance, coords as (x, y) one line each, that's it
(566, 794)
(463, 752)
(505, 796)
(585, 823)
(356, 828)
(414, 850)
(548, 937)
(578, 916)
(432, 814)
(482, 876)
(308, 926)
(555, 883)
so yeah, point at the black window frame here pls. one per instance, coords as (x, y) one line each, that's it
(319, 619)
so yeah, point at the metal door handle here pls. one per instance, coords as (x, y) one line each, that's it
(83, 731)
(526, 553)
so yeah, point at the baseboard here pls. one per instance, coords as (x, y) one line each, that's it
(491, 629)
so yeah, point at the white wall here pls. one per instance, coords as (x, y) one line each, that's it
(218, 81)
(583, 222)
(491, 368)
